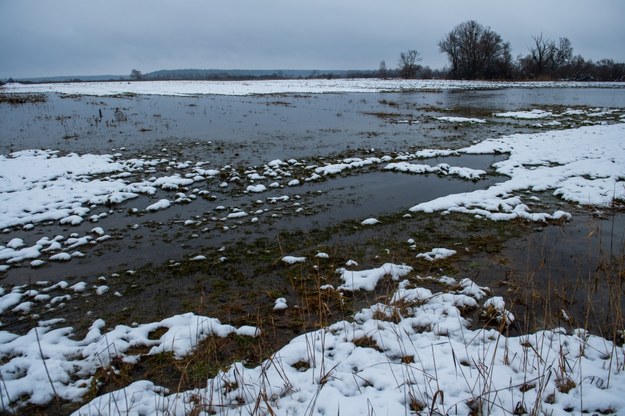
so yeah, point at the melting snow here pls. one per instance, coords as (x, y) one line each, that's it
(70, 363)
(584, 165)
(416, 351)
(368, 279)
(437, 254)
(183, 88)
(280, 304)
(293, 259)
(527, 115)
(461, 119)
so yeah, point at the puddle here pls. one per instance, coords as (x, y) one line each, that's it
(573, 267)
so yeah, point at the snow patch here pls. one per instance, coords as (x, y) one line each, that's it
(437, 254)
(159, 205)
(293, 259)
(368, 279)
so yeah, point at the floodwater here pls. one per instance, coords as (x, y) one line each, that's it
(252, 130)
(516, 98)
(256, 129)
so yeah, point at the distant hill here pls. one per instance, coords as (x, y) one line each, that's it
(75, 78)
(212, 74)
(221, 74)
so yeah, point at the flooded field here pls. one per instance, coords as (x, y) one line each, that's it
(198, 203)
(245, 132)
(257, 129)
(241, 133)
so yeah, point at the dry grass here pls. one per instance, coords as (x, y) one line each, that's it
(16, 99)
(543, 305)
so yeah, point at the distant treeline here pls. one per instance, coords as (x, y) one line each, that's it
(206, 75)
(242, 74)
(475, 51)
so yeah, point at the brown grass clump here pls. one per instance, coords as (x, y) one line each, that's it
(16, 99)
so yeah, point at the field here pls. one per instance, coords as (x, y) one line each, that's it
(312, 247)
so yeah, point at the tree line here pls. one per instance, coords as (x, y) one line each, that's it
(243, 74)
(475, 51)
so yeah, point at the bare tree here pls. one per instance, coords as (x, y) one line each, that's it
(382, 71)
(505, 65)
(474, 51)
(408, 67)
(542, 53)
(546, 57)
(564, 53)
(136, 75)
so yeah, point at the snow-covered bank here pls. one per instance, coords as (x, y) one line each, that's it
(584, 165)
(67, 365)
(413, 353)
(298, 86)
(38, 185)
(416, 350)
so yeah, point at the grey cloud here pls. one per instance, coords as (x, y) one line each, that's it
(75, 37)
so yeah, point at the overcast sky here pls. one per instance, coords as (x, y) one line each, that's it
(84, 37)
